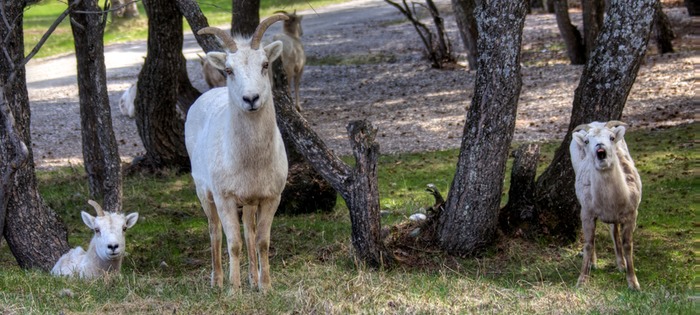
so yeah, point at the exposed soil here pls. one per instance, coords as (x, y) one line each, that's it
(383, 78)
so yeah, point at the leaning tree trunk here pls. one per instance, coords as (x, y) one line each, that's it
(102, 162)
(663, 31)
(601, 95)
(357, 185)
(569, 33)
(464, 14)
(593, 13)
(34, 233)
(164, 92)
(470, 218)
(245, 16)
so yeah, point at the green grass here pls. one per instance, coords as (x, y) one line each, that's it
(313, 269)
(39, 17)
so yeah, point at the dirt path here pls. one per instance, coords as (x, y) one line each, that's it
(384, 80)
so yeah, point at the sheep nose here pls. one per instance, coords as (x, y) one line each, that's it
(113, 247)
(251, 99)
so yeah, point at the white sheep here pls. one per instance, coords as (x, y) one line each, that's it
(608, 188)
(107, 247)
(293, 57)
(126, 102)
(212, 76)
(237, 155)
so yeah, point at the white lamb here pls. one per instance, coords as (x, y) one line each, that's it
(608, 188)
(237, 155)
(126, 102)
(106, 250)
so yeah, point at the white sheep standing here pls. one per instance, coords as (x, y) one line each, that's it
(126, 102)
(293, 57)
(237, 154)
(608, 188)
(107, 247)
(212, 76)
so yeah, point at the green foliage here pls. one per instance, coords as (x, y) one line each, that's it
(39, 17)
(313, 269)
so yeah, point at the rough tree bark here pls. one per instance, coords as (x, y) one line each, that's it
(663, 31)
(164, 92)
(102, 162)
(593, 13)
(464, 15)
(245, 16)
(601, 95)
(34, 233)
(470, 219)
(357, 186)
(519, 216)
(569, 33)
(196, 19)
(15, 151)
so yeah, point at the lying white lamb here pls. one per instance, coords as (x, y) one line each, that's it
(106, 249)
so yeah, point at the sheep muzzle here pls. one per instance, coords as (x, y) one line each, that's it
(601, 154)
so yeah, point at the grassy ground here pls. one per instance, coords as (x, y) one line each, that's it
(313, 271)
(39, 17)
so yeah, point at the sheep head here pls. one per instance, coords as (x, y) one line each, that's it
(109, 228)
(246, 65)
(292, 26)
(598, 142)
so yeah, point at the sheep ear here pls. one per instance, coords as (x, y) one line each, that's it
(273, 50)
(619, 132)
(217, 59)
(88, 219)
(579, 137)
(131, 219)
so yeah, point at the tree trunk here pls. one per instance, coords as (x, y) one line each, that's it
(34, 233)
(693, 7)
(15, 151)
(518, 216)
(663, 31)
(593, 14)
(571, 36)
(357, 186)
(464, 14)
(102, 162)
(470, 219)
(601, 95)
(164, 92)
(191, 11)
(245, 17)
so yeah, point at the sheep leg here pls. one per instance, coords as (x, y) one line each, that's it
(627, 230)
(297, 80)
(249, 230)
(217, 278)
(267, 213)
(588, 250)
(615, 233)
(229, 219)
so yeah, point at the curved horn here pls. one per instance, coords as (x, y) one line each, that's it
(260, 30)
(585, 127)
(614, 123)
(221, 34)
(282, 11)
(98, 208)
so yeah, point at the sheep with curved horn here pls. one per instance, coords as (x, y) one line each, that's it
(237, 155)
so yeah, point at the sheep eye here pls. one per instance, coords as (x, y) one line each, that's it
(612, 138)
(265, 66)
(228, 71)
(585, 141)
(124, 228)
(97, 231)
